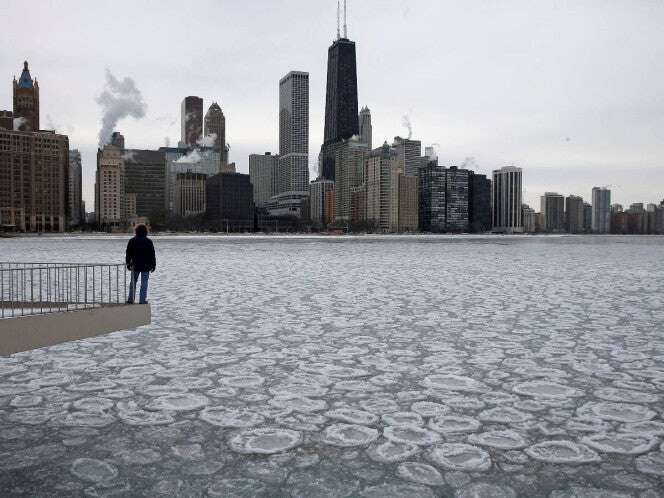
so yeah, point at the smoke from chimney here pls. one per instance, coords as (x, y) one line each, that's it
(119, 100)
(406, 123)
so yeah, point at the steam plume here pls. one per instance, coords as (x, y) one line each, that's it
(119, 100)
(18, 122)
(191, 157)
(207, 141)
(405, 122)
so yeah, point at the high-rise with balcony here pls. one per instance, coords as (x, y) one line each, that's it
(601, 211)
(507, 203)
(293, 170)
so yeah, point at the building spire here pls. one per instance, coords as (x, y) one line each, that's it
(338, 21)
(345, 25)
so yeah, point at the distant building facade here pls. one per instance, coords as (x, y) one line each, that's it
(182, 160)
(574, 214)
(381, 162)
(110, 204)
(507, 200)
(215, 124)
(26, 102)
(601, 210)
(553, 211)
(191, 121)
(293, 170)
(432, 198)
(263, 169)
(76, 214)
(34, 181)
(190, 193)
(366, 129)
(317, 191)
(229, 202)
(409, 153)
(403, 202)
(145, 176)
(328, 207)
(349, 167)
(456, 199)
(479, 203)
(530, 223)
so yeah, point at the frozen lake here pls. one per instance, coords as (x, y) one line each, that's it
(377, 367)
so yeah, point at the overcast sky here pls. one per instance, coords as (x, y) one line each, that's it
(571, 91)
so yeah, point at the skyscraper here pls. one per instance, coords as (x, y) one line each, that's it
(263, 177)
(229, 202)
(191, 120)
(507, 194)
(456, 199)
(293, 173)
(479, 203)
(601, 218)
(317, 191)
(552, 207)
(366, 130)
(574, 214)
(215, 124)
(381, 162)
(34, 181)
(110, 208)
(341, 116)
(349, 173)
(409, 153)
(75, 213)
(432, 190)
(26, 101)
(145, 177)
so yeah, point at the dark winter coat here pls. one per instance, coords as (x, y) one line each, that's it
(140, 254)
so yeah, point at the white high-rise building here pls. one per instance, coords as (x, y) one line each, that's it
(507, 204)
(110, 208)
(263, 177)
(293, 171)
(601, 217)
(366, 130)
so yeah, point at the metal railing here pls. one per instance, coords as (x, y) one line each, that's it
(38, 288)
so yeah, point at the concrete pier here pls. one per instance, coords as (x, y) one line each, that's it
(38, 331)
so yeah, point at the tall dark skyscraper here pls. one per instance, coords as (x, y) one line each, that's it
(191, 119)
(341, 114)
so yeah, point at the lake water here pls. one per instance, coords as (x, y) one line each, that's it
(371, 366)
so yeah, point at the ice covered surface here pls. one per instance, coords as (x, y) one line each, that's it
(444, 366)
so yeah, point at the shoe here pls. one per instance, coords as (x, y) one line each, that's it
(130, 302)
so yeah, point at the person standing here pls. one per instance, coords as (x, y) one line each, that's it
(140, 260)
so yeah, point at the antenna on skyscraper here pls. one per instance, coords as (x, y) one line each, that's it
(338, 21)
(345, 25)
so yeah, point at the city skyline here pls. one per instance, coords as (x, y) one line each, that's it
(570, 118)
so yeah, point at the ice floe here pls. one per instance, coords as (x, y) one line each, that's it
(266, 440)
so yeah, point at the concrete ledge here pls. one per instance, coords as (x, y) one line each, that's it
(38, 331)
